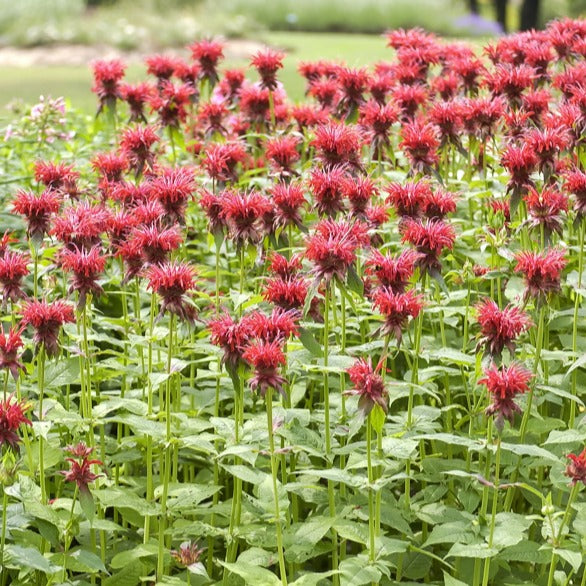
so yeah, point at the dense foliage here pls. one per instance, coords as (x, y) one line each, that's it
(341, 341)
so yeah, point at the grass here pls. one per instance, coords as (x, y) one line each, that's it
(74, 82)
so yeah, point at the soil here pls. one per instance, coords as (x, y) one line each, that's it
(85, 55)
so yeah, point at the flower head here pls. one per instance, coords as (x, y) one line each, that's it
(107, 76)
(208, 53)
(267, 62)
(81, 225)
(232, 336)
(86, 266)
(545, 209)
(266, 358)
(171, 103)
(13, 268)
(392, 272)
(576, 469)
(80, 466)
(137, 96)
(419, 141)
(9, 346)
(541, 271)
(173, 187)
(135, 145)
(430, 238)
(47, 319)
(243, 212)
(326, 187)
(338, 144)
(397, 309)
(368, 386)
(12, 416)
(282, 153)
(188, 553)
(504, 384)
(172, 281)
(499, 328)
(289, 199)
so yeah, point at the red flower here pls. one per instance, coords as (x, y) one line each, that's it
(308, 116)
(282, 153)
(156, 243)
(243, 212)
(419, 141)
(107, 75)
(481, 115)
(12, 416)
(57, 176)
(410, 198)
(111, 166)
(255, 103)
(130, 252)
(520, 162)
(230, 85)
(211, 116)
(208, 53)
(325, 91)
(359, 191)
(377, 119)
(86, 266)
(161, 66)
(439, 203)
(510, 80)
(338, 144)
(541, 271)
(279, 325)
(81, 225)
(173, 188)
(284, 268)
(499, 328)
(326, 187)
(352, 83)
(37, 209)
(188, 554)
(332, 248)
(220, 160)
(546, 143)
(80, 472)
(136, 96)
(47, 319)
(429, 238)
(13, 268)
(135, 145)
(265, 358)
(576, 470)
(9, 345)
(504, 384)
(171, 103)
(172, 281)
(447, 116)
(286, 292)
(267, 62)
(232, 336)
(392, 272)
(368, 386)
(397, 309)
(129, 194)
(409, 98)
(120, 225)
(575, 183)
(189, 74)
(545, 210)
(289, 199)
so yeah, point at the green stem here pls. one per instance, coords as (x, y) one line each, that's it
(41, 381)
(371, 505)
(495, 500)
(282, 569)
(68, 536)
(558, 539)
(3, 537)
(150, 491)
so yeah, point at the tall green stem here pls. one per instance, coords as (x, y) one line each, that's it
(41, 382)
(495, 500)
(371, 504)
(282, 569)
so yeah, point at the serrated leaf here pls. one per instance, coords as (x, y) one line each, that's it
(313, 530)
(526, 450)
(352, 531)
(574, 558)
(377, 418)
(472, 550)
(308, 340)
(450, 581)
(356, 571)
(252, 574)
(313, 578)
(30, 558)
(246, 474)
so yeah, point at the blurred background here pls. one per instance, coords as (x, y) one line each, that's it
(47, 45)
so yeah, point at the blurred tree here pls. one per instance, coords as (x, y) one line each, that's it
(529, 15)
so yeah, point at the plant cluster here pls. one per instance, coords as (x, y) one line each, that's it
(340, 341)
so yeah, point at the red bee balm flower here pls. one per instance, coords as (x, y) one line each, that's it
(13, 268)
(576, 470)
(332, 248)
(47, 319)
(545, 210)
(172, 188)
(541, 270)
(11, 418)
(267, 63)
(429, 238)
(172, 281)
(500, 328)
(368, 385)
(504, 384)
(9, 345)
(232, 336)
(397, 309)
(265, 358)
(393, 272)
(243, 213)
(80, 472)
(288, 198)
(156, 243)
(135, 145)
(107, 75)
(86, 266)
(37, 209)
(208, 53)
(338, 144)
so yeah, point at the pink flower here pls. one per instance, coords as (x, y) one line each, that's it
(368, 386)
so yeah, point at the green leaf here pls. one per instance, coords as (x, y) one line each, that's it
(86, 500)
(526, 551)
(313, 578)
(246, 474)
(88, 561)
(61, 373)
(257, 556)
(28, 558)
(449, 581)
(129, 575)
(314, 530)
(309, 341)
(122, 498)
(354, 282)
(458, 532)
(526, 450)
(252, 574)
(122, 559)
(356, 571)
(377, 418)
(472, 550)
(574, 558)
(352, 531)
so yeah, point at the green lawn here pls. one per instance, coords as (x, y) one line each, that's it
(75, 82)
